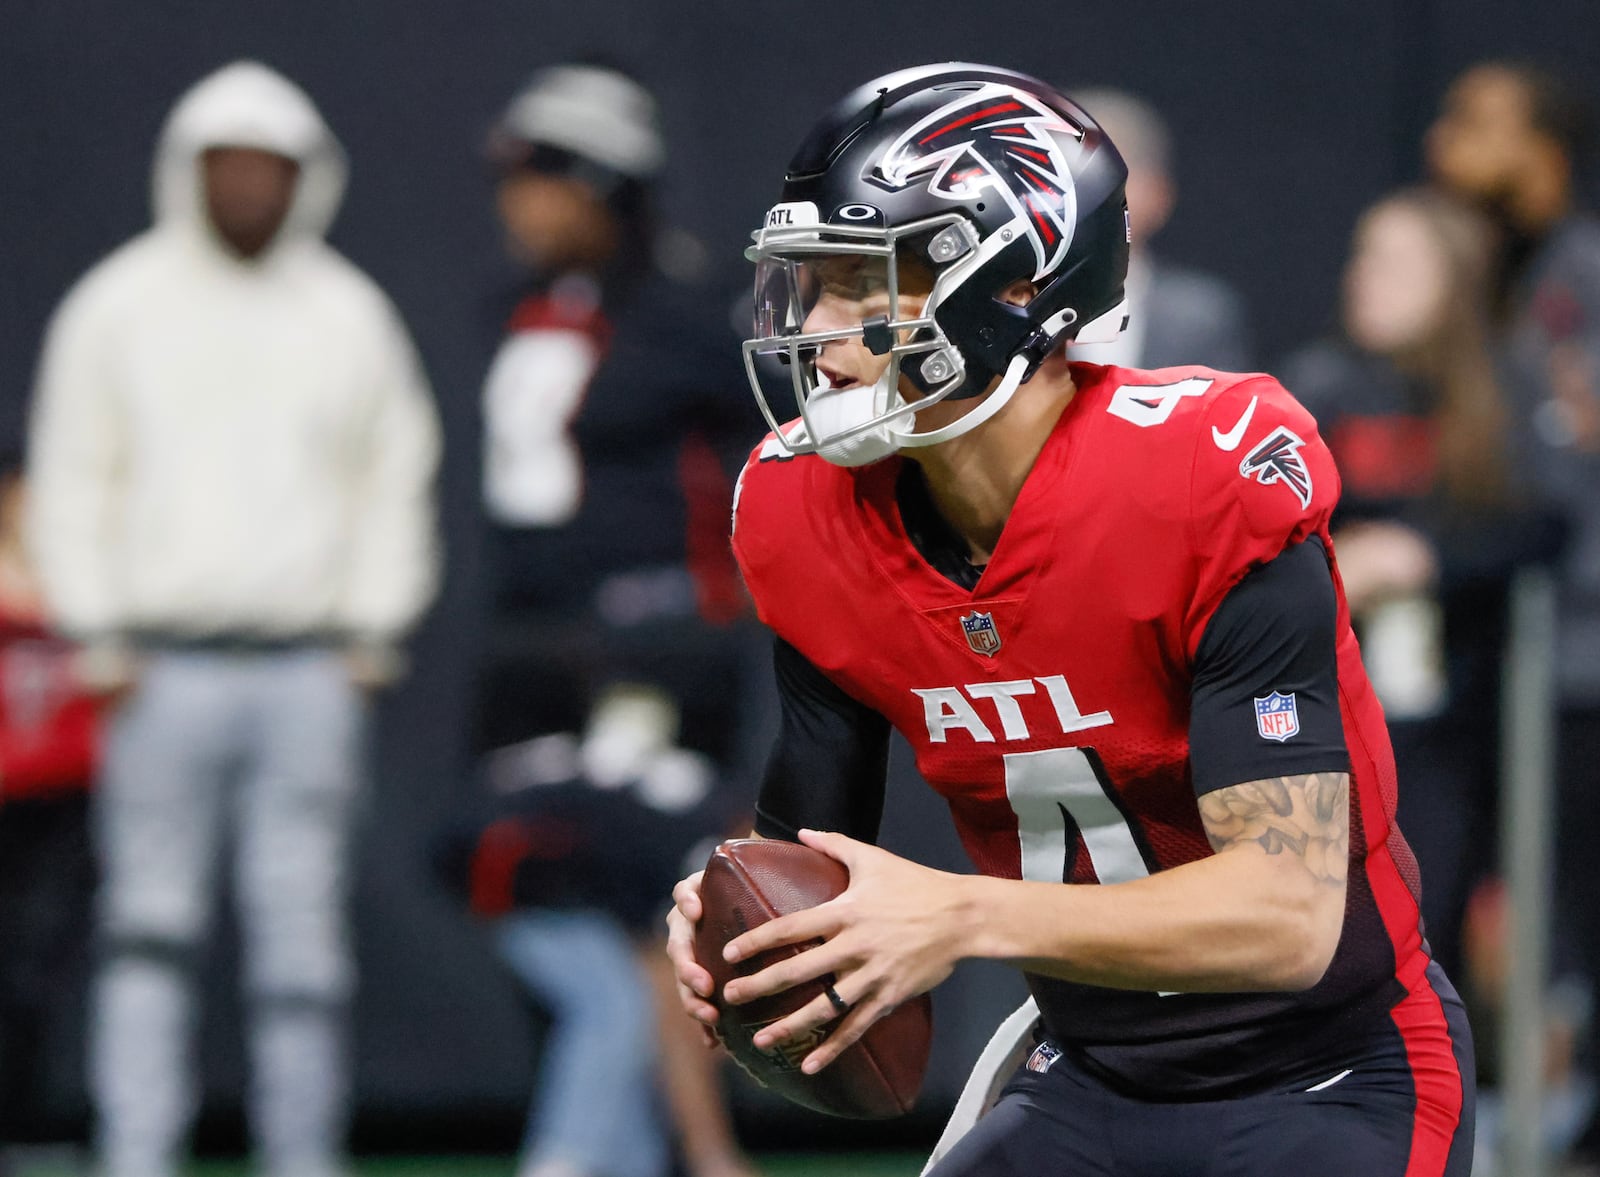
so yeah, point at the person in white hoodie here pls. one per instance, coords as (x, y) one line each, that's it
(232, 453)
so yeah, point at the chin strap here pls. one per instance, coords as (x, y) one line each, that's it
(981, 412)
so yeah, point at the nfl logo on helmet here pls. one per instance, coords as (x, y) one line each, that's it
(981, 633)
(1277, 718)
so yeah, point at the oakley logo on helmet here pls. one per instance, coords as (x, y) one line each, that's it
(1002, 139)
(861, 214)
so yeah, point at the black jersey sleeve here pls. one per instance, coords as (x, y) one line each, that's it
(1265, 696)
(827, 769)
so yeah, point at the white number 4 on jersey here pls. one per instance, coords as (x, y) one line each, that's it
(1151, 404)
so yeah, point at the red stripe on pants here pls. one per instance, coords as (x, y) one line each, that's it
(1431, 1054)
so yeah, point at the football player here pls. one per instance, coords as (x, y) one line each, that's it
(1102, 606)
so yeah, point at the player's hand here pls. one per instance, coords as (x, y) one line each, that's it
(107, 671)
(371, 667)
(110, 697)
(694, 984)
(895, 932)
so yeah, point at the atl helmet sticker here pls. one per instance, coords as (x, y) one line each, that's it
(999, 139)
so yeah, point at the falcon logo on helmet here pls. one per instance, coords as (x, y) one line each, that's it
(1002, 139)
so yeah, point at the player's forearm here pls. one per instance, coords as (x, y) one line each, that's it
(1234, 922)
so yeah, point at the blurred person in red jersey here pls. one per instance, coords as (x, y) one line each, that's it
(47, 758)
(1176, 315)
(614, 421)
(232, 459)
(1515, 138)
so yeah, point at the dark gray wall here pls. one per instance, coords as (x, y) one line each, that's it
(1288, 119)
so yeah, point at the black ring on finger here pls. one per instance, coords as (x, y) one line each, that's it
(840, 1005)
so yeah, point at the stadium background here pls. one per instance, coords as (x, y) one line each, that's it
(1288, 119)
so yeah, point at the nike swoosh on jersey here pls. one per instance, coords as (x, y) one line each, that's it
(1231, 439)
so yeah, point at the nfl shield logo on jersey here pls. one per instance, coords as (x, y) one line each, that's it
(1277, 717)
(1044, 1057)
(982, 636)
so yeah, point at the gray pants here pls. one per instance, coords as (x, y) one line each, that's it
(595, 1107)
(265, 747)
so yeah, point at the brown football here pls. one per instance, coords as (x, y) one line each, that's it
(748, 882)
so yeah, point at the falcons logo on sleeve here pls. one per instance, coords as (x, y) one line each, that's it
(1277, 459)
(998, 139)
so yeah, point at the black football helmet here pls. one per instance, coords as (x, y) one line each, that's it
(985, 178)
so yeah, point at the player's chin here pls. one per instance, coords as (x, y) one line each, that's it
(909, 392)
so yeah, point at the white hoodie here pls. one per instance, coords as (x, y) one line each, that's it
(229, 447)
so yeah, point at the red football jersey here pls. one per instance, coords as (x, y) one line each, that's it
(1050, 705)
(48, 723)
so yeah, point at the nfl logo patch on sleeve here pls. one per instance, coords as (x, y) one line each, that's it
(1276, 716)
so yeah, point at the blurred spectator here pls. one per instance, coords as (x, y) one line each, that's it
(1438, 511)
(1432, 521)
(1176, 315)
(613, 413)
(1512, 137)
(233, 450)
(47, 754)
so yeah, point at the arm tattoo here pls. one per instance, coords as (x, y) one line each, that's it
(1308, 816)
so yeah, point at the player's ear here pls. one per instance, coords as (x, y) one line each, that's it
(1019, 294)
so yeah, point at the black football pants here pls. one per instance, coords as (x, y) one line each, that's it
(1399, 1104)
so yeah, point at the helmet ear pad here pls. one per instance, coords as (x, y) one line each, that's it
(988, 331)
(980, 324)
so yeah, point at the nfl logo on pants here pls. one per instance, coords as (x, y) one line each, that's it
(981, 633)
(1277, 717)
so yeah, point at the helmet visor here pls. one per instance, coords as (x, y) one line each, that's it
(788, 289)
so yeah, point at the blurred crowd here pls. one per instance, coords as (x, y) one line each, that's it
(224, 529)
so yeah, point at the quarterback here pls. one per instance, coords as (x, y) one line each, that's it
(1103, 607)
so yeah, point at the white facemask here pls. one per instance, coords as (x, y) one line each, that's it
(833, 411)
